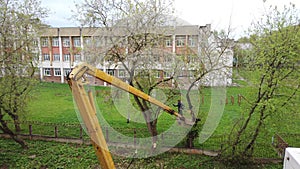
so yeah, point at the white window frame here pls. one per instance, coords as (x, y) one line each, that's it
(46, 57)
(121, 73)
(192, 42)
(77, 57)
(55, 42)
(77, 42)
(99, 41)
(66, 71)
(192, 73)
(56, 57)
(66, 42)
(167, 59)
(156, 58)
(47, 72)
(44, 42)
(111, 72)
(57, 72)
(180, 42)
(166, 74)
(168, 43)
(87, 40)
(157, 73)
(67, 57)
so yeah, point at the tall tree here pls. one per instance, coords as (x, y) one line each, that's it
(210, 65)
(275, 61)
(20, 22)
(132, 31)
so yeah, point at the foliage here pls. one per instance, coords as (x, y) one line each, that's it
(242, 51)
(275, 61)
(20, 23)
(57, 155)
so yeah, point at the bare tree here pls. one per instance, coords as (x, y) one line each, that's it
(210, 65)
(20, 22)
(132, 32)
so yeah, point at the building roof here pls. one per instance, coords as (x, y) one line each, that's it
(120, 31)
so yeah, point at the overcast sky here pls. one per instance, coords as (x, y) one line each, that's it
(220, 13)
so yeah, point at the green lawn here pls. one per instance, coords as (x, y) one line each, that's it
(53, 103)
(54, 155)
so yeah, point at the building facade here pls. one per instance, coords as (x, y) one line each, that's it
(63, 48)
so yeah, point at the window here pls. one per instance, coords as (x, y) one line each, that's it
(77, 41)
(47, 72)
(157, 74)
(167, 59)
(182, 73)
(66, 42)
(192, 58)
(180, 42)
(121, 73)
(66, 57)
(77, 57)
(156, 58)
(87, 41)
(192, 42)
(46, 57)
(55, 42)
(99, 41)
(66, 71)
(111, 72)
(35, 43)
(192, 73)
(168, 43)
(57, 72)
(56, 57)
(166, 74)
(44, 42)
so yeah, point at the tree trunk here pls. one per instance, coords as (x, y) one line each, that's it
(151, 126)
(190, 142)
(17, 124)
(15, 118)
(190, 102)
(154, 133)
(243, 128)
(250, 146)
(6, 130)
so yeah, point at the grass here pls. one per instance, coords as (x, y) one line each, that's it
(54, 155)
(53, 103)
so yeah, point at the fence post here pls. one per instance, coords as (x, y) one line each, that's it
(106, 134)
(232, 100)
(30, 131)
(80, 133)
(134, 137)
(55, 131)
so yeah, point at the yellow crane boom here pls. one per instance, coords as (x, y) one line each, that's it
(86, 106)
